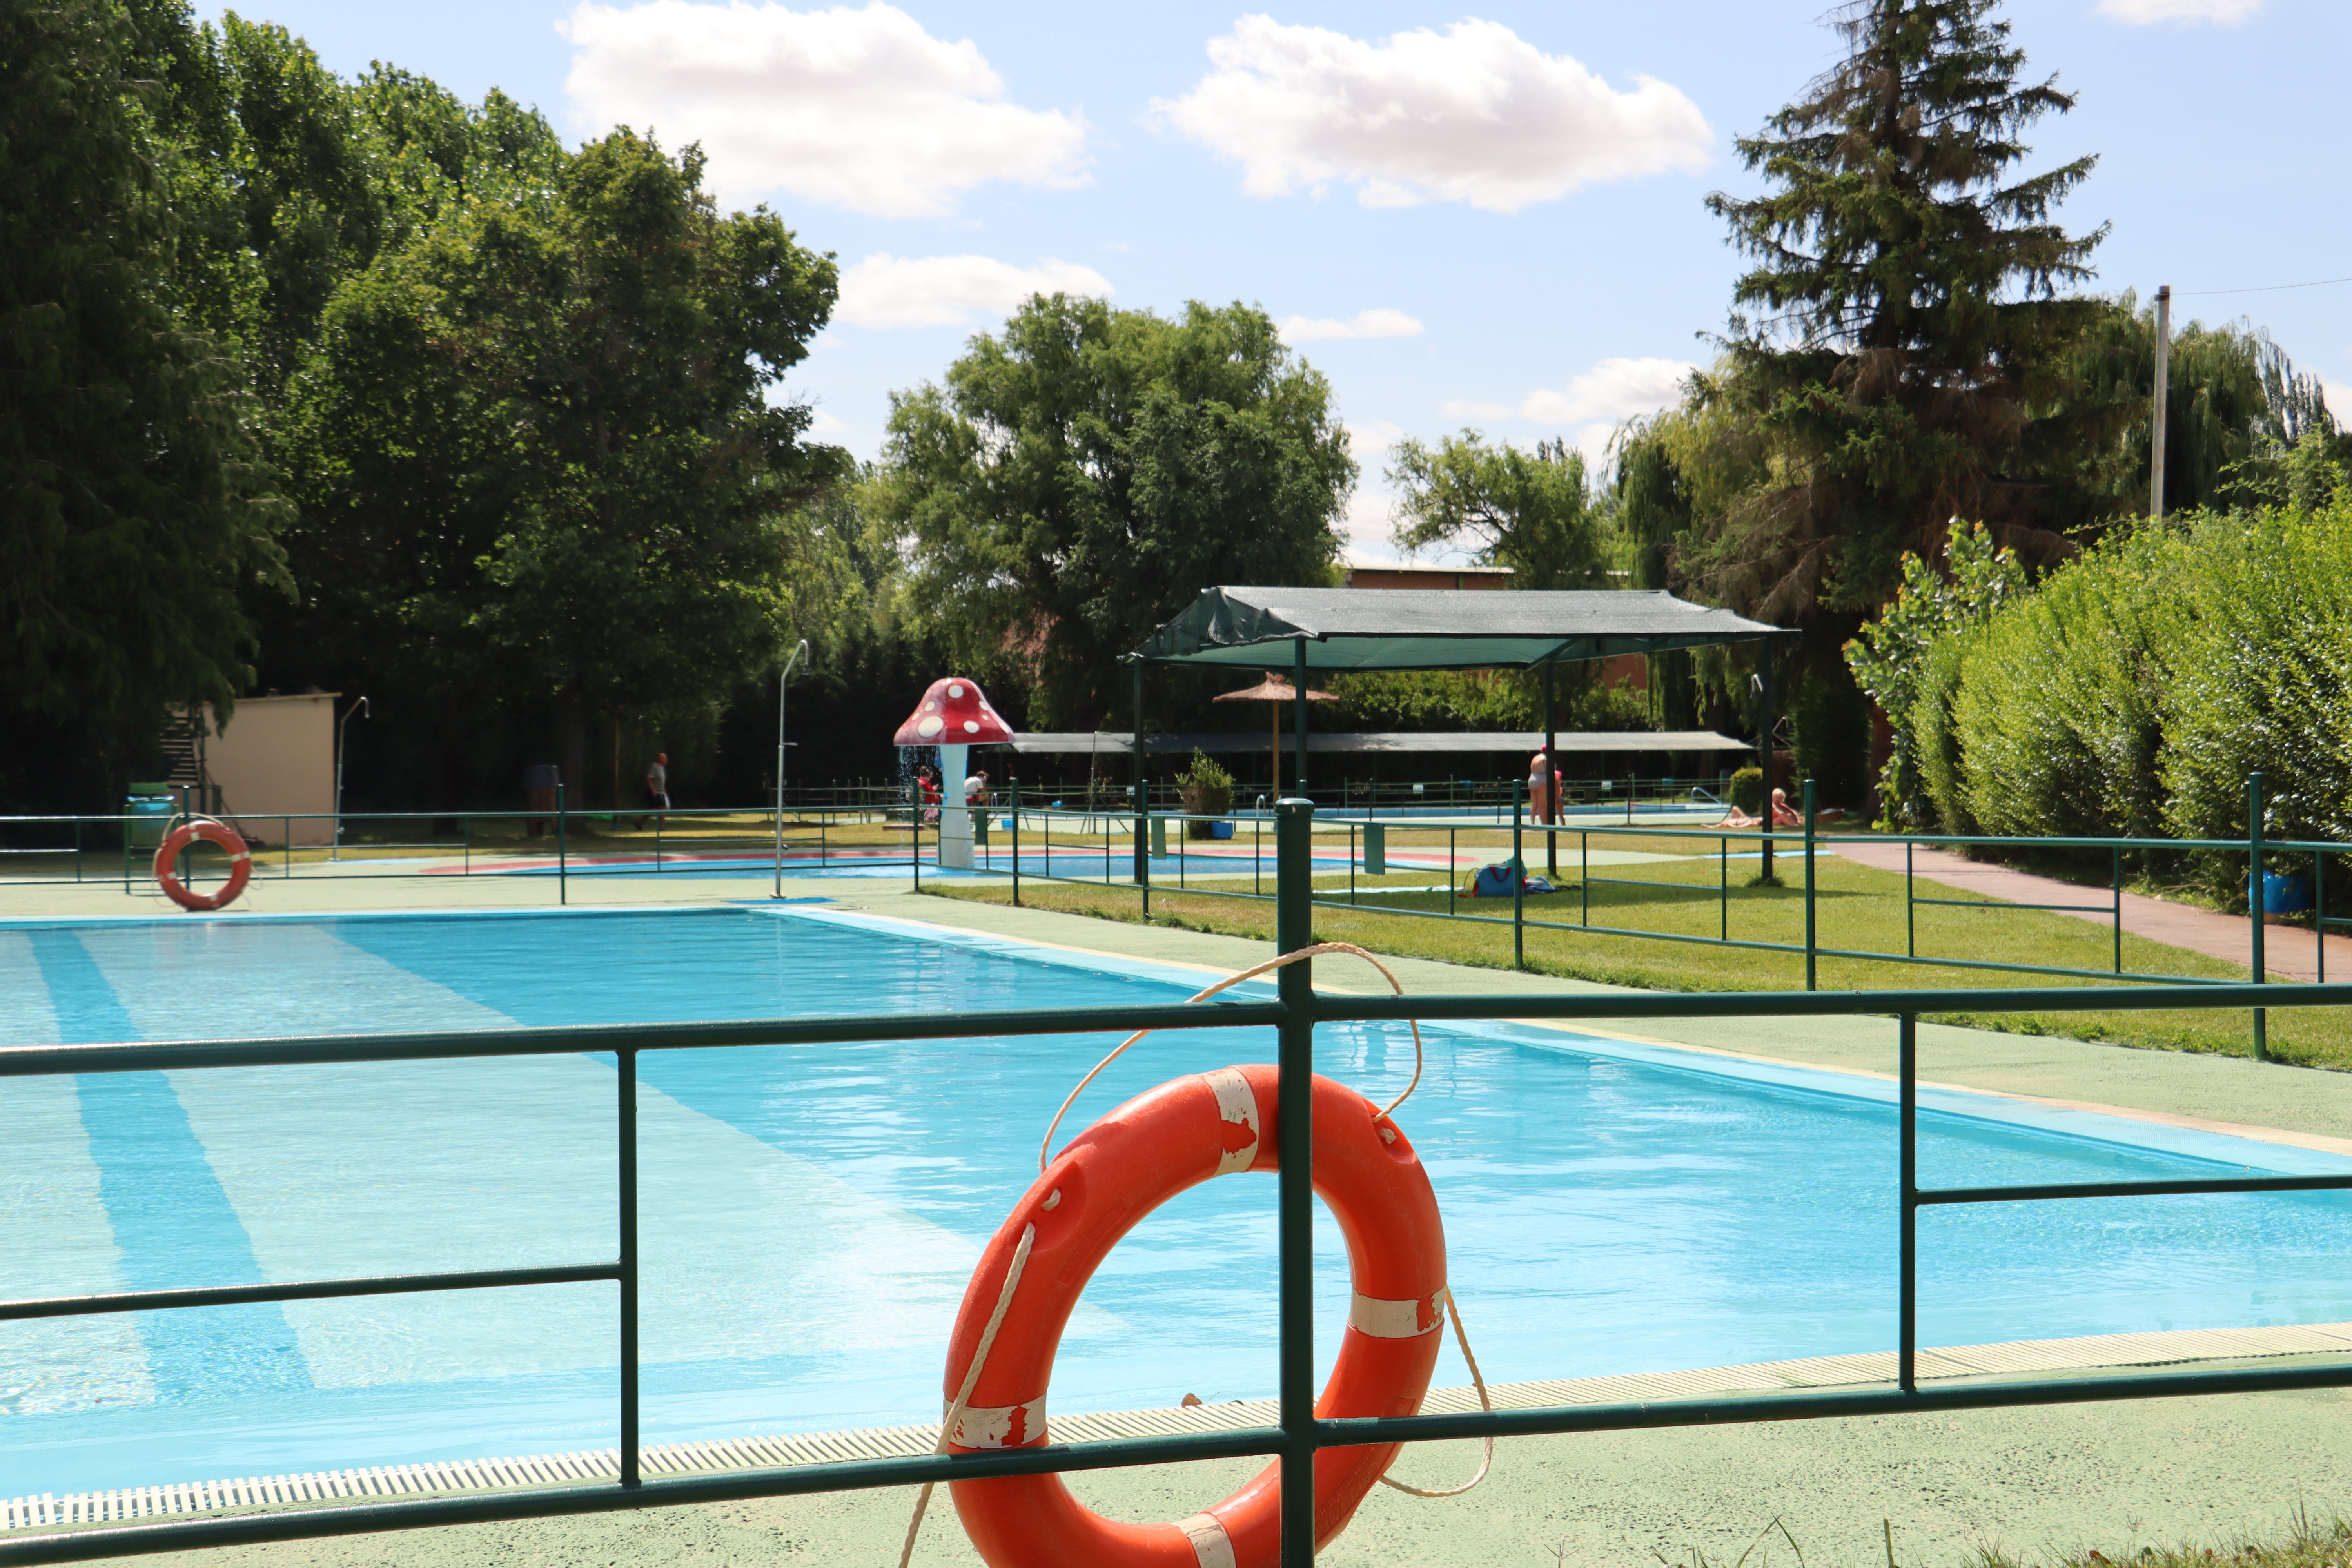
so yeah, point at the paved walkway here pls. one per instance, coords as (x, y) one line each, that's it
(2288, 953)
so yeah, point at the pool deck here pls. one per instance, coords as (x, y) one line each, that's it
(2035, 1481)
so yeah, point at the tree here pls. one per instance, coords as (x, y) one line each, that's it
(1912, 359)
(1083, 475)
(1532, 512)
(546, 462)
(135, 506)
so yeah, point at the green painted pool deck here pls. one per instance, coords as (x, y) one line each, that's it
(2035, 1481)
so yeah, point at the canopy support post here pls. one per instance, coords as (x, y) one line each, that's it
(1142, 850)
(1551, 794)
(1298, 715)
(1764, 750)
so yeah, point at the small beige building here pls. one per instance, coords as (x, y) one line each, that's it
(276, 759)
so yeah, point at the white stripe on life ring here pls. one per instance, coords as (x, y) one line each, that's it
(1396, 1320)
(1212, 1547)
(999, 1427)
(1236, 1101)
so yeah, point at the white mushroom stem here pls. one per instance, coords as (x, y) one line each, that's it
(955, 822)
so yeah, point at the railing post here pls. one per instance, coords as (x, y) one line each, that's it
(1811, 946)
(1518, 879)
(1016, 841)
(627, 1150)
(1910, 906)
(562, 859)
(2115, 876)
(1907, 1313)
(2319, 908)
(2254, 903)
(1294, 925)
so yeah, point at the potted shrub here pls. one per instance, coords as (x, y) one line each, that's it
(1206, 790)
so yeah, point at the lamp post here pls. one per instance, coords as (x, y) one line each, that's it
(783, 684)
(335, 851)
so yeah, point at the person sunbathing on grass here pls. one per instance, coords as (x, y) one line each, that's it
(1782, 816)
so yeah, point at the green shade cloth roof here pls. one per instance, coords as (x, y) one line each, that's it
(1436, 629)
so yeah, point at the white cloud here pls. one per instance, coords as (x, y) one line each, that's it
(1474, 114)
(1613, 390)
(862, 109)
(2141, 13)
(828, 425)
(885, 290)
(1362, 325)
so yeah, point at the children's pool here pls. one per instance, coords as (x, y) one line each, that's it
(809, 1214)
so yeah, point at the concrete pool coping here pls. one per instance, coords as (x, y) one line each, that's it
(1958, 1363)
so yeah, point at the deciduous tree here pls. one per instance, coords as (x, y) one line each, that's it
(1083, 474)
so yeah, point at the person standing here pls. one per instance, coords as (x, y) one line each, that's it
(1542, 786)
(657, 788)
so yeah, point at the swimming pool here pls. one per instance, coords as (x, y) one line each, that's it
(809, 1214)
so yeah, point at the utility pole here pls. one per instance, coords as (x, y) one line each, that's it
(2163, 390)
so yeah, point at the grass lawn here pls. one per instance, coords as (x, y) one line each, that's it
(1856, 908)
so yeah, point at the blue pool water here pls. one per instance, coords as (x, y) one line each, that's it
(810, 1214)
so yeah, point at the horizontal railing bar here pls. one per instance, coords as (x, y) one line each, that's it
(2007, 904)
(2132, 1189)
(1334, 1006)
(1818, 1404)
(2107, 974)
(17, 1061)
(304, 1290)
(1639, 883)
(84, 1545)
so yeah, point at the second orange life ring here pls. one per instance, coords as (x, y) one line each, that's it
(167, 856)
(1156, 1145)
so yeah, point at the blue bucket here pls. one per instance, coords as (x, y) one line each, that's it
(2284, 894)
(1220, 830)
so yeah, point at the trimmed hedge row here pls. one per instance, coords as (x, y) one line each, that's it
(2137, 688)
(2134, 688)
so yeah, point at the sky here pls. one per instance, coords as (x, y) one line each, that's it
(1490, 219)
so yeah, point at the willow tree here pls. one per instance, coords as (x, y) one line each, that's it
(1900, 351)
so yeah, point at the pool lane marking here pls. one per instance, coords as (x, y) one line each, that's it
(54, 1236)
(166, 1209)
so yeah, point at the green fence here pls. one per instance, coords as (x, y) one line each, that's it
(559, 842)
(1155, 833)
(1293, 1013)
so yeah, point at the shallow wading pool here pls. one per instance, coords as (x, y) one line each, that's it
(809, 1214)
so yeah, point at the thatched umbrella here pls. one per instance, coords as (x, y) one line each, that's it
(1276, 691)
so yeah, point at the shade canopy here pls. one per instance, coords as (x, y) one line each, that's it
(1436, 629)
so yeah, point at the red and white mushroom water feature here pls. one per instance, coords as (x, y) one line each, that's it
(954, 716)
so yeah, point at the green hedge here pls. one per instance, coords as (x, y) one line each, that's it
(2132, 690)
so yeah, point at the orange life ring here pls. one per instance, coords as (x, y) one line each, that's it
(167, 855)
(1119, 1169)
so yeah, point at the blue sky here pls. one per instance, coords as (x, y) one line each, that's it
(1531, 257)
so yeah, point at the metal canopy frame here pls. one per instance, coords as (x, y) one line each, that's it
(1300, 630)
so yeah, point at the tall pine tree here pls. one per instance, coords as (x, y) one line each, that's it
(1901, 351)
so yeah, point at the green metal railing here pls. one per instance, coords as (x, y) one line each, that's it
(1367, 839)
(1293, 1013)
(683, 840)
